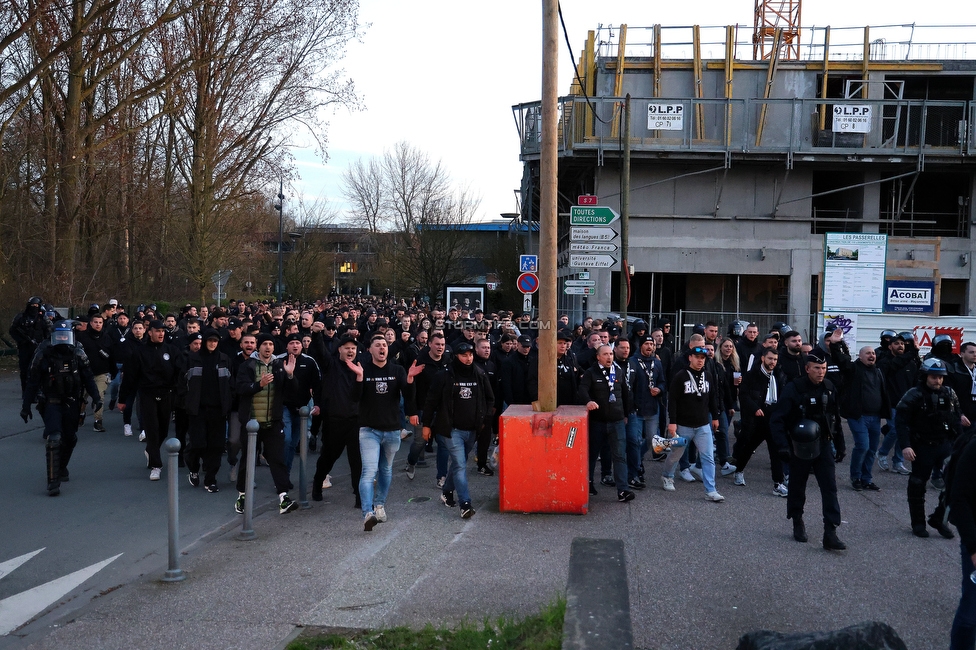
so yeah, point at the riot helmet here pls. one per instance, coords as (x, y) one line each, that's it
(806, 439)
(934, 366)
(738, 327)
(907, 337)
(63, 334)
(886, 337)
(942, 346)
(781, 328)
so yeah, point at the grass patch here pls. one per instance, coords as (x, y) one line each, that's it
(543, 631)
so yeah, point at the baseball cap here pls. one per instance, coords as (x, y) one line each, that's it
(156, 325)
(525, 340)
(233, 324)
(462, 348)
(564, 335)
(699, 350)
(294, 337)
(113, 303)
(347, 338)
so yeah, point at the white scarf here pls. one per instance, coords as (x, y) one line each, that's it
(771, 395)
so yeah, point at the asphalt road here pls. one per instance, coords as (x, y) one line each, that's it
(109, 507)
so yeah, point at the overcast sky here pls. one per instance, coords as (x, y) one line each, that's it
(444, 74)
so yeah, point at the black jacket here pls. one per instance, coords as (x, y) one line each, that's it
(45, 374)
(753, 389)
(196, 378)
(852, 399)
(693, 399)
(802, 399)
(962, 382)
(248, 385)
(155, 368)
(438, 411)
(100, 348)
(594, 387)
(648, 373)
(901, 374)
(927, 417)
(962, 497)
(515, 378)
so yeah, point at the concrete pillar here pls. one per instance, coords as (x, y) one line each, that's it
(871, 205)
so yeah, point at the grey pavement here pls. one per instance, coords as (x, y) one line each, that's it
(700, 574)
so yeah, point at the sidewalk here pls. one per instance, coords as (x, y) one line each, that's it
(701, 574)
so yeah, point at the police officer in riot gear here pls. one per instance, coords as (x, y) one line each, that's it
(927, 420)
(29, 328)
(809, 400)
(61, 371)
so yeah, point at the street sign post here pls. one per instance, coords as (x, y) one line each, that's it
(527, 303)
(587, 199)
(528, 283)
(592, 233)
(582, 260)
(528, 263)
(596, 215)
(591, 247)
(580, 291)
(220, 281)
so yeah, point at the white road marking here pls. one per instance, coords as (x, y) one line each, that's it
(20, 608)
(8, 566)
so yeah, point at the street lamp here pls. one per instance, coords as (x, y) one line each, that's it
(281, 231)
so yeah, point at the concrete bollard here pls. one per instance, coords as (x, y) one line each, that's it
(303, 459)
(172, 447)
(247, 530)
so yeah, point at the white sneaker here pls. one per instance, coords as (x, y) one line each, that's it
(685, 475)
(714, 496)
(780, 490)
(127, 430)
(327, 483)
(380, 512)
(155, 473)
(739, 479)
(142, 436)
(696, 472)
(668, 484)
(728, 469)
(440, 482)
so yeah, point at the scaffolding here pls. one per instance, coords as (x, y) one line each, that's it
(777, 30)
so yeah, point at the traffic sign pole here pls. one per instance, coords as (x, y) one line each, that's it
(548, 188)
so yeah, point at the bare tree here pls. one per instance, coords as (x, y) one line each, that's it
(260, 67)
(407, 195)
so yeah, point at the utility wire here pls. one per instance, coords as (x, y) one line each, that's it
(569, 46)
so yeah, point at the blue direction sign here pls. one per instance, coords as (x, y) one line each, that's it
(528, 263)
(528, 283)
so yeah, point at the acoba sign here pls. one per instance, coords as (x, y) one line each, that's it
(913, 296)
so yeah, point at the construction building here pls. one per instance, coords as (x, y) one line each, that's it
(747, 145)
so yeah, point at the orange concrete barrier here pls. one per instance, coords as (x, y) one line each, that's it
(543, 460)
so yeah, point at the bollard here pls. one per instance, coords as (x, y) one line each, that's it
(172, 448)
(247, 531)
(303, 460)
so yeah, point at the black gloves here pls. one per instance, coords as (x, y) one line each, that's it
(839, 455)
(25, 414)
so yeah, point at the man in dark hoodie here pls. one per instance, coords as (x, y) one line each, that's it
(341, 427)
(483, 359)
(208, 402)
(459, 405)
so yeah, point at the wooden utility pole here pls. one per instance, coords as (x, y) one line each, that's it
(549, 166)
(625, 220)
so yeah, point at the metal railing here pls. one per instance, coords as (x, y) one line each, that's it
(768, 126)
(886, 42)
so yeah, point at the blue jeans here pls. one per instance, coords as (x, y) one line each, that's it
(963, 634)
(866, 431)
(112, 394)
(722, 437)
(639, 429)
(890, 441)
(458, 447)
(702, 437)
(377, 449)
